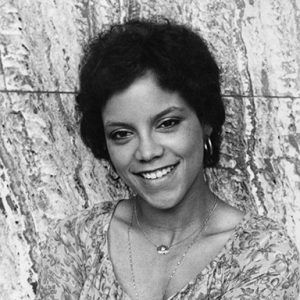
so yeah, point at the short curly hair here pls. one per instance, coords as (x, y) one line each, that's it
(178, 57)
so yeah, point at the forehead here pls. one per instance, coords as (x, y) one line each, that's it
(143, 98)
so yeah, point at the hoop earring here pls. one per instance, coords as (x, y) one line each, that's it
(208, 147)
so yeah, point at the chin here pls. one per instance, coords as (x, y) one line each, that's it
(160, 200)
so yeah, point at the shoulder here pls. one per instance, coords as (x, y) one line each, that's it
(72, 247)
(259, 236)
(261, 260)
(262, 247)
(82, 224)
(261, 232)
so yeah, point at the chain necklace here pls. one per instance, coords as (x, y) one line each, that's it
(161, 249)
(179, 262)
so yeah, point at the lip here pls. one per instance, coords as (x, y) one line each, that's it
(158, 181)
(157, 169)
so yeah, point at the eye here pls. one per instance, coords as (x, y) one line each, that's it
(169, 123)
(120, 135)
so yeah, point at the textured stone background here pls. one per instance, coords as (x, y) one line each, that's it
(45, 171)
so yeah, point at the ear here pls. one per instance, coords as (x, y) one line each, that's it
(207, 130)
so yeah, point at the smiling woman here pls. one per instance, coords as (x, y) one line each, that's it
(157, 150)
(151, 105)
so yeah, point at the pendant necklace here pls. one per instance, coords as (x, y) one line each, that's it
(179, 262)
(161, 249)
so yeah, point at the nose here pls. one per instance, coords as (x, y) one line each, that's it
(148, 149)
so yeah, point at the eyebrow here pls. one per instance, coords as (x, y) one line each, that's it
(158, 116)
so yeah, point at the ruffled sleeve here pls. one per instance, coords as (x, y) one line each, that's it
(61, 274)
(266, 264)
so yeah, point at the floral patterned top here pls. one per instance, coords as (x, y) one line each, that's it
(259, 261)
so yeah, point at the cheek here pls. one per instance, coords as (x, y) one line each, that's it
(119, 156)
(115, 156)
(191, 143)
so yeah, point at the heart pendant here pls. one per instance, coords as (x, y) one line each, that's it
(162, 249)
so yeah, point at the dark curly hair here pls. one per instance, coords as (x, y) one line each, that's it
(179, 59)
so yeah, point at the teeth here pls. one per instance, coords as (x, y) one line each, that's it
(157, 174)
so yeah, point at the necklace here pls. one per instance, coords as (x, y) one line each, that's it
(179, 262)
(161, 249)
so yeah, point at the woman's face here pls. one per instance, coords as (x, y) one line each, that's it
(155, 142)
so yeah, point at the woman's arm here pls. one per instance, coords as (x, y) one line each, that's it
(269, 271)
(62, 270)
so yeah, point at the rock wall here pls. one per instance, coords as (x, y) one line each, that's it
(46, 172)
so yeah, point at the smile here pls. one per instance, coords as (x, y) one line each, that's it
(157, 174)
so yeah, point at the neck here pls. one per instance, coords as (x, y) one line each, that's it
(188, 214)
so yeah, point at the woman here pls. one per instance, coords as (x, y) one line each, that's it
(151, 105)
